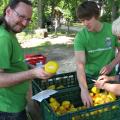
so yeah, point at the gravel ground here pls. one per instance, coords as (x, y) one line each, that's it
(65, 58)
(64, 55)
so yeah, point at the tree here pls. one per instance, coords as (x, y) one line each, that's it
(3, 4)
(111, 8)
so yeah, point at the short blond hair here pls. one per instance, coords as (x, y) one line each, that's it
(116, 27)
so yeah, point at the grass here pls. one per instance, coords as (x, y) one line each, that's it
(77, 24)
(43, 49)
(63, 32)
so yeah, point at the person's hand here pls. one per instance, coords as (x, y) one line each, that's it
(104, 78)
(99, 83)
(106, 69)
(40, 73)
(86, 98)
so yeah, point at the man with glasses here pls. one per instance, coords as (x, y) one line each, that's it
(95, 47)
(15, 78)
(22, 17)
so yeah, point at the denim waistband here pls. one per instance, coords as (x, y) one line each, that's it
(12, 114)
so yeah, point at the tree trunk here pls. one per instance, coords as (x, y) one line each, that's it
(114, 11)
(41, 16)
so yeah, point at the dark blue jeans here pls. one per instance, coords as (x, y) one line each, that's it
(13, 116)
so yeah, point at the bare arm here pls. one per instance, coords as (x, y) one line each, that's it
(117, 59)
(108, 68)
(80, 62)
(106, 78)
(9, 79)
(114, 88)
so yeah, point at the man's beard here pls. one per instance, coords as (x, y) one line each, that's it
(9, 28)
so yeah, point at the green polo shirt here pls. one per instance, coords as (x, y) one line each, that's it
(99, 47)
(13, 98)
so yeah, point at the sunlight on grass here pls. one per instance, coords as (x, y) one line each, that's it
(48, 43)
(35, 44)
(44, 48)
(77, 24)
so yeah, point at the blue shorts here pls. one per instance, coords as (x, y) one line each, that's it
(13, 116)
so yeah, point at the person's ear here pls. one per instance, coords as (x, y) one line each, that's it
(8, 11)
(97, 17)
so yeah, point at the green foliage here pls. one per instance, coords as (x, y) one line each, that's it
(108, 5)
(47, 43)
(3, 4)
(68, 8)
(111, 2)
(106, 17)
(33, 24)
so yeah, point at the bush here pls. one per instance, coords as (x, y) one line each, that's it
(106, 18)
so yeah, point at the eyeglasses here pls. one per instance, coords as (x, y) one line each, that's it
(22, 17)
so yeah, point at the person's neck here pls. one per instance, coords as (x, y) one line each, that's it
(99, 26)
(7, 26)
(5, 23)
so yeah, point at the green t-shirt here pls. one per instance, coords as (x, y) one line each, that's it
(99, 48)
(13, 98)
